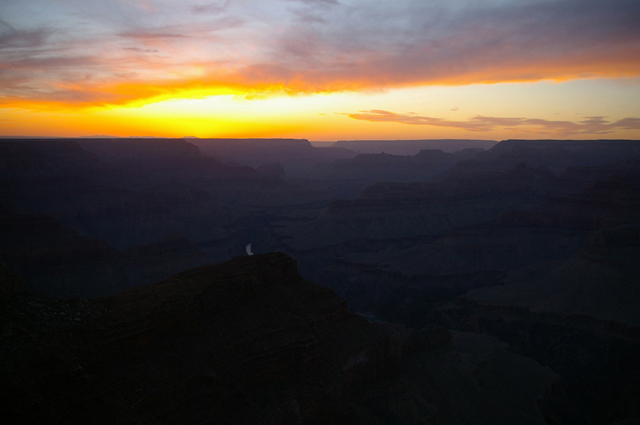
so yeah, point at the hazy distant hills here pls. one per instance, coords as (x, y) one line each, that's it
(372, 168)
(495, 217)
(552, 154)
(412, 147)
(413, 210)
(297, 156)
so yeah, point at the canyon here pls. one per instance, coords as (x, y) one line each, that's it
(456, 285)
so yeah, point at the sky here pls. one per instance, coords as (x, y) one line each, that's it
(323, 70)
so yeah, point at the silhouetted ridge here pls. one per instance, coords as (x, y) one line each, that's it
(246, 342)
(297, 156)
(412, 147)
(39, 159)
(372, 168)
(556, 155)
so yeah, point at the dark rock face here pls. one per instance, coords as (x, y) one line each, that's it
(602, 282)
(239, 328)
(410, 243)
(410, 210)
(34, 159)
(367, 169)
(120, 193)
(59, 262)
(136, 191)
(246, 342)
(595, 359)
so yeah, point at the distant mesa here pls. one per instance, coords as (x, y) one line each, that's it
(297, 156)
(322, 144)
(412, 147)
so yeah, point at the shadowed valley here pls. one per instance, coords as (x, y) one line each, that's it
(393, 282)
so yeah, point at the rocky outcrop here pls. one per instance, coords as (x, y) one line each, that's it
(602, 282)
(247, 342)
(240, 327)
(596, 359)
(578, 315)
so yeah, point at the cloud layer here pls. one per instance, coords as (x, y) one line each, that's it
(590, 125)
(115, 52)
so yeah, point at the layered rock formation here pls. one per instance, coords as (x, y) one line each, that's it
(602, 282)
(532, 242)
(247, 342)
(135, 191)
(297, 156)
(367, 169)
(556, 155)
(413, 210)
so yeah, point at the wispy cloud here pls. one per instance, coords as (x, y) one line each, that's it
(590, 125)
(213, 8)
(11, 37)
(139, 50)
(151, 35)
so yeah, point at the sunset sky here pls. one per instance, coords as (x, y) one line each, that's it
(321, 69)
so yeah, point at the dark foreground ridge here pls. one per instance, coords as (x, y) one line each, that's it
(247, 342)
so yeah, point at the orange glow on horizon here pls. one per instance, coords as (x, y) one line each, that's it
(232, 113)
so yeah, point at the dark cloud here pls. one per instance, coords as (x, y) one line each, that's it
(590, 125)
(11, 37)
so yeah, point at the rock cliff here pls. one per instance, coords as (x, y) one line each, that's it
(59, 262)
(247, 342)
